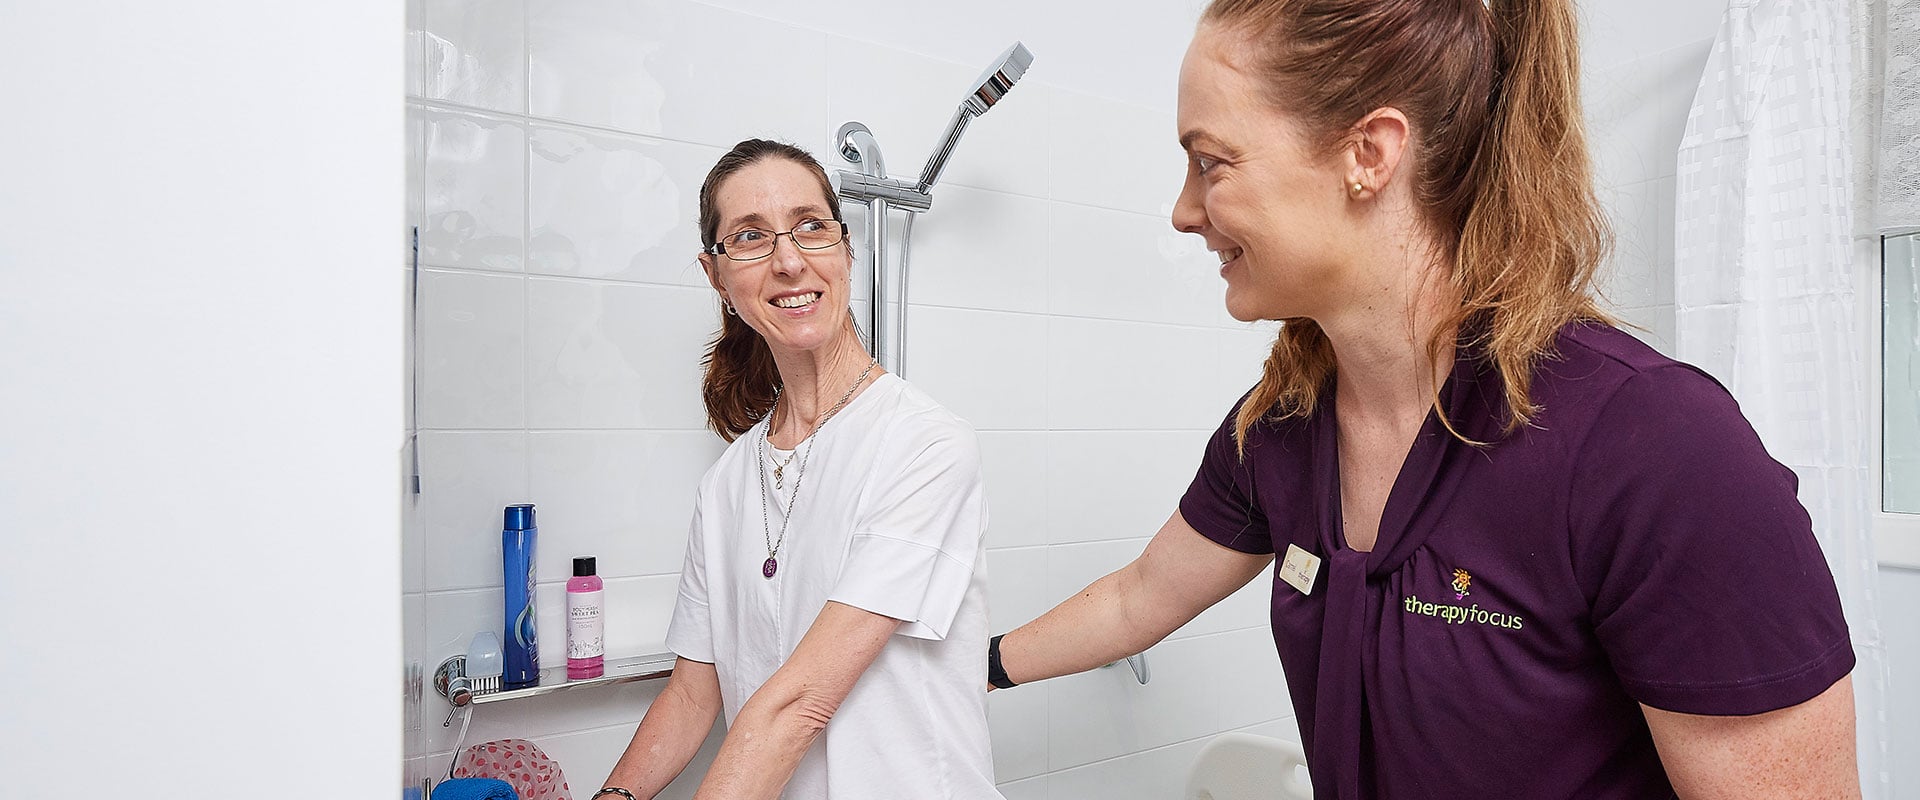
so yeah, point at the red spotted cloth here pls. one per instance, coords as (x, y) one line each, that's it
(518, 762)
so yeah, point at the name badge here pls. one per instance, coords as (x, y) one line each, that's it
(1300, 568)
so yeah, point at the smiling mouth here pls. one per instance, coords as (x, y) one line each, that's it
(1228, 255)
(796, 301)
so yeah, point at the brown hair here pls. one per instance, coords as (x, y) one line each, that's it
(1492, 93)
(741, 379)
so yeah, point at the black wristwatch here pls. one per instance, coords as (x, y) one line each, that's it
(996, 674)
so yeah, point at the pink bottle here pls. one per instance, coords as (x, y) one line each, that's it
(586, 649)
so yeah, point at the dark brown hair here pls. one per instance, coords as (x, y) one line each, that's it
(741, 379)
(1492, 93)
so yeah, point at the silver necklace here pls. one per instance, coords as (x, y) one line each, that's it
(780, 465)
(772, 564)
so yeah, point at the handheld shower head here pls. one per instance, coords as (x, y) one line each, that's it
(993, 84)
(999, 78)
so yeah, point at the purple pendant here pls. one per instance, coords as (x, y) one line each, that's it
(767, 569)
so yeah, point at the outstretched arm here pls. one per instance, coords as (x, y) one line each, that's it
(671, 732)
(1803, 751)
(778, 724)
(1181, 574)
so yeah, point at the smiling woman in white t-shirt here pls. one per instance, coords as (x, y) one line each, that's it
(833, 600)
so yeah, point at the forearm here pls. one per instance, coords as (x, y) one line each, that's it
(1180, 574)
(669, 735)
(1093, 628)
(780, 721)
(763, 748)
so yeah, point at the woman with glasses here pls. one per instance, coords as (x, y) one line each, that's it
(1515, 552)
(832, 604)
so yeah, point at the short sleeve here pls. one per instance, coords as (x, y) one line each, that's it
(690, 632)
(1219, 503)
(1709, 591)
(919, 531)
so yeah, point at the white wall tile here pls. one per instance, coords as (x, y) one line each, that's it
(1018, 589)
(1130, 266)
(606, 205)
(677, 69)
(472, 365)
(985, 366)
(1113, 155)
(1156, 773)
(1654, 325)
(906, 100)
(413, 546)
(983, 250)
(624, 497)
(1106, 712)
(1120, 375)
(1028, 789)
(475, 53)
(1017, 724)
(1243, 674)
(467, 478)
(416, 189)
(416, 51)
(1014, 466)
(1636, 112)
(636, 612)
(1613, 32)
(1072, 567)
(1248, 608)
(1243, 351)
(1900, 588)
(609, 355)
(1105, 485)
(475, 202)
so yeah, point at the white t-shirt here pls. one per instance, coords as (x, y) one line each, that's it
(890, 519)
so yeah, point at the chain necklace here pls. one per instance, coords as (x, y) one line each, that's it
(772, 564)
(780, 465)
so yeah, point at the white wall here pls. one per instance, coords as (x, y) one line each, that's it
(201, 329)
(561, 148)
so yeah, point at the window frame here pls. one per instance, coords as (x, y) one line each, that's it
(1896, 535)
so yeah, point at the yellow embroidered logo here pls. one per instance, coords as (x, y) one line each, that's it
(1460, 615)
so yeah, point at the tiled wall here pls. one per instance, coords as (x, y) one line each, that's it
(1636, 110)
(559, 149)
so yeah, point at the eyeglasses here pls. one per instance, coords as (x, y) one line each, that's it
(754, 244)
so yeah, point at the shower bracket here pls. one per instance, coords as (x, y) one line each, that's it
(898, 193)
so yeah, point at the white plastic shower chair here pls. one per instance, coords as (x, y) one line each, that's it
(1242, 766)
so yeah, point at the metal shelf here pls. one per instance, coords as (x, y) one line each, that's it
(619, 670)
(554, 679)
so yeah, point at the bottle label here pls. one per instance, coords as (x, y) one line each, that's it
(584, 626)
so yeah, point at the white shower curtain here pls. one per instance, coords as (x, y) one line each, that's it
(1767, 277)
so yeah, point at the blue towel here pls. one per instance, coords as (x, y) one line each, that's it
(474, 789)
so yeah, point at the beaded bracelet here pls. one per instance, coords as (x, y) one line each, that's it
(613, 790)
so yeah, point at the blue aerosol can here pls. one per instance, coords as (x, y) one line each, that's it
(522, 646)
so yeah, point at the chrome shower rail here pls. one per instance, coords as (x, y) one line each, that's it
(871, 185)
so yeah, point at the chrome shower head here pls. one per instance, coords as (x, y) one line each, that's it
(999, 78)
(993, 84)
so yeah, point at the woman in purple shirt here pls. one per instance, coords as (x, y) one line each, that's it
(1516, 553)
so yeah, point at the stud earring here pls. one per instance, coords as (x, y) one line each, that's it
(1358, 187)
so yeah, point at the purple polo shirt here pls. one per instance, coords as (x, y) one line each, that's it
(1635, 545)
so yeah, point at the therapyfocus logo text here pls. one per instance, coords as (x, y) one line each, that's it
(1461, 615)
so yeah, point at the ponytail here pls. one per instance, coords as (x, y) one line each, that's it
(741, 380)
(1534, 237)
